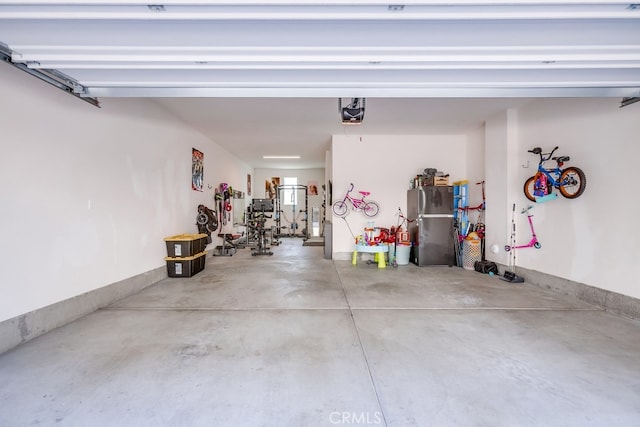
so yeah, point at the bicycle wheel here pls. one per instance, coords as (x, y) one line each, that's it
(528, 188)
(340, 208)
(573, 182)
(202, 219)
(370, 209)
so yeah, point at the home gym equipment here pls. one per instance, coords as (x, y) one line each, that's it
(230, 244)
(301, 214)
(257, 227)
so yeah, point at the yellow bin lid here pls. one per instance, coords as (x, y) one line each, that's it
(185, 237)
(187, 258)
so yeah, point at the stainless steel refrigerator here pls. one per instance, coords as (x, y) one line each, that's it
(431, 232)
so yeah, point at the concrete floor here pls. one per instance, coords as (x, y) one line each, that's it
(297, 340)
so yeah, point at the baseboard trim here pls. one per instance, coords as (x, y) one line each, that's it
(28, 326)
(607, 300)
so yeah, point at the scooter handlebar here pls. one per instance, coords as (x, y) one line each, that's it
(525, 210)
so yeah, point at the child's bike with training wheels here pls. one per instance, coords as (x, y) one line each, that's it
(570, 181)
(368, 207)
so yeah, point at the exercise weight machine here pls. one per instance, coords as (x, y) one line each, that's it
(301, 215)
(256, 225)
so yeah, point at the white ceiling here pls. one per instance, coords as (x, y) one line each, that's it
(264, 77)
(253, 127)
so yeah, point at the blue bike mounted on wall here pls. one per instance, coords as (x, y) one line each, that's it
(570, 181)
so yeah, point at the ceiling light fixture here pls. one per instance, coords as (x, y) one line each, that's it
(280, 157)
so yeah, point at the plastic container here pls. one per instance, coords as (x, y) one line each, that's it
(186, 266)
(461, 200)
(471, 252)
(402, 254)
(185, 245)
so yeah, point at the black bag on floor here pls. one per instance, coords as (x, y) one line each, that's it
(485, 267)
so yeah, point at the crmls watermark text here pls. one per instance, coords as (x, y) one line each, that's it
(355, 418)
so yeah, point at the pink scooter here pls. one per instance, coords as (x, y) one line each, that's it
(534, 239)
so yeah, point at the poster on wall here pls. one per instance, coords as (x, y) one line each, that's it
(248, 184)
(197, 169)
(313, 188)
(271, 187)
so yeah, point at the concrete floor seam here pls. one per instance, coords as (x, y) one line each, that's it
(476, 309)
(364, 353)
(219, 309)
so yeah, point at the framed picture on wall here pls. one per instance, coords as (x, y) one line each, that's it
(248, 184)
(313, 188)
(271, 187)
(197, 169)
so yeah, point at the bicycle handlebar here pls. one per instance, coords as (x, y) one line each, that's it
(350, 189)
(543, 159)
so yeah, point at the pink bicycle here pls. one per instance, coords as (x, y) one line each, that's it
(533, 243)
(368, 207)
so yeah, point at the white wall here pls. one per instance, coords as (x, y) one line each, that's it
(475, 166)
(385, 165)
(589, 239)
(500, 166)
(88, 194)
